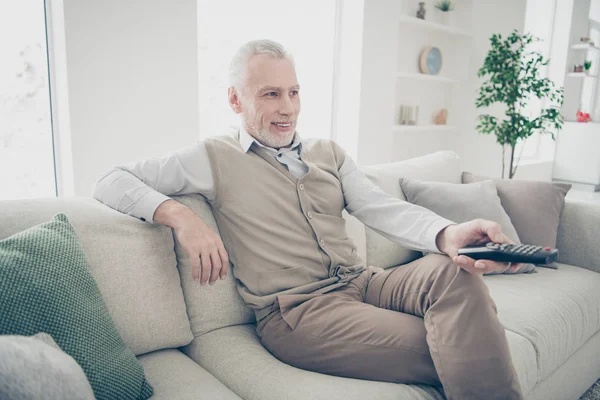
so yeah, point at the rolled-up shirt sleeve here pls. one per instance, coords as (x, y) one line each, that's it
(400, 221)
(138, 188)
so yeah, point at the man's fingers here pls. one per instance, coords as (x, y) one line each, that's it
(205, 262)
(479, 266)
(216, 267)
(195, 263)
(225, 261)
(492, 230)
(516, 267)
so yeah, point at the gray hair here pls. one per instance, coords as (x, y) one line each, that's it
(239, 64)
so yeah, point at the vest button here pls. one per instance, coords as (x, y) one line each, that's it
(301, 186)
(309, 215)
(322, 242)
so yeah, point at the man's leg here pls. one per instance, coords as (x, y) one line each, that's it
(466, 340)
(338, 334)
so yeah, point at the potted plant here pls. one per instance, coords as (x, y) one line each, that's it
(444, 7)
(511, 75)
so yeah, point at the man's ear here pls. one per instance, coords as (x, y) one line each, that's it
(234, 100)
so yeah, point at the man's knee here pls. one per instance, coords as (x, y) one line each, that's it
(446, 272)
(440, 267)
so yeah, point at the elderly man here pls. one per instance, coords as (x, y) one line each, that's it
(278, 201)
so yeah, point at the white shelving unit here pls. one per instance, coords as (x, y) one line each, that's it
(583, 83)
(423, 128)
(425, 77)
(431, 93)
(584, 46)
(580, 75)
(419, 23)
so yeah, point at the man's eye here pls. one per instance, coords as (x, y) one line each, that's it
(294, 93)
(271, 94)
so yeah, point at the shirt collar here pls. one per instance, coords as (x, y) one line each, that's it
(246, 141)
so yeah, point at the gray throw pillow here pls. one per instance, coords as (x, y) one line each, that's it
(34, 367)
(462, 203)
(534, 207)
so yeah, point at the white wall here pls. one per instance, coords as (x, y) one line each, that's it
(377, 84)
(133, 84)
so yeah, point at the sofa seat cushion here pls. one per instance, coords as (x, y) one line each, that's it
(173, 375)
(556, 310)
(237, 358)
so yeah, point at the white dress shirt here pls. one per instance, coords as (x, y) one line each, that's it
(137, 189)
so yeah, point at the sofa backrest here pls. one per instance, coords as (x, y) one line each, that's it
(441, 166)
(209, 307)
(132, 261)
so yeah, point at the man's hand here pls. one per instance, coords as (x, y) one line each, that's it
(475, 232)
(202, 244)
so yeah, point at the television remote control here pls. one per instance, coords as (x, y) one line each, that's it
(506, 252)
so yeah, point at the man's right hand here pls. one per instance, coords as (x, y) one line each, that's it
(204, 247)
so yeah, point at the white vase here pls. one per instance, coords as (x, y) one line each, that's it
(446, 17)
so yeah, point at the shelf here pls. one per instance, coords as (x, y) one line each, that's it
(580, 75)
(584, 46)
(424, 128)
(405, 19)
(426, 77)
(575, 122)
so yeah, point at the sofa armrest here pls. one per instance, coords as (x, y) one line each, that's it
(578, 238)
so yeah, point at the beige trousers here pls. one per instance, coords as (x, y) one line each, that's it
(424, 322)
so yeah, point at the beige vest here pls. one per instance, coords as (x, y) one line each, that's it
(284, 236)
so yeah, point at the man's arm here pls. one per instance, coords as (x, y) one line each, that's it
(417, 227)
(137, 189)
(400, 221)
(141, 190)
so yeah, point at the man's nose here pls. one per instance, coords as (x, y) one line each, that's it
(286, 107)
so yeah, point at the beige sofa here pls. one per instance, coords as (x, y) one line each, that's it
(199, 342)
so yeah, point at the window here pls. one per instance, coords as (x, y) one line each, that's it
(26, 143)
(306, 29)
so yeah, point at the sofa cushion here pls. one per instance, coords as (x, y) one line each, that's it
(442, 166)
(534, 207)
(132, 262)
(174, 376)
(556, 310)
(209, 307)
(462, 203)
(237, 358)
(46, 286)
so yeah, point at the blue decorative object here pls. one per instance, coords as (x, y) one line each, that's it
(431, 61)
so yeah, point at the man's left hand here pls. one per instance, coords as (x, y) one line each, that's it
(475, 232)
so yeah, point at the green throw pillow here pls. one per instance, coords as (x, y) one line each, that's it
(46, 286)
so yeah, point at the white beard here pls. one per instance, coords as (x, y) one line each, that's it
(270, 140)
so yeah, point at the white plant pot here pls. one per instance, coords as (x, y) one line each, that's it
(445, 17)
